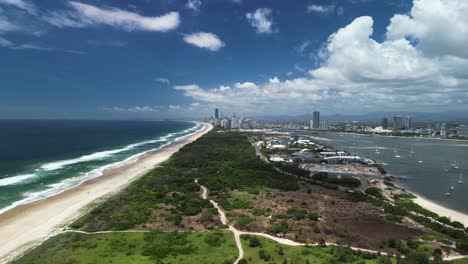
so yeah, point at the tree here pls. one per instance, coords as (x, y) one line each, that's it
(254, 242)
(416, 258)
(280, 251)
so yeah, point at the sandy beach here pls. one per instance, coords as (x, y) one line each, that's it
(441, 210)
(26, 226)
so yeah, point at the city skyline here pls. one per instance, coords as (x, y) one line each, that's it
(180, 59)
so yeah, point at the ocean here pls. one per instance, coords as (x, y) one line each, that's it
(426, 163)
(40, 158)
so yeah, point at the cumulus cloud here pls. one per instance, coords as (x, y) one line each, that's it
(245, 85)
(439, 26)
(82, 15)
(417, 68)
(262, 21)
(204, 40)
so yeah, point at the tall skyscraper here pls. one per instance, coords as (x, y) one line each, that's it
(407, 124)
(216, 113)
(384, 123)
(316, 120)
(397, 123)
(443, 130)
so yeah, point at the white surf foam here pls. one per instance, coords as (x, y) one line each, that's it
(15, 179)
(95, 156)
(69, 183)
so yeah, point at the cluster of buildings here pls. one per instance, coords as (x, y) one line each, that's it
(282, 148)
(405, 125)
(315, 122)
(233, 122)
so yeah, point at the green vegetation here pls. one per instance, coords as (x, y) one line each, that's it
(376, 192)
(268, 251)
(166, 187)
(139, 248)
(221, 161)
(324, 179)
(404, 206)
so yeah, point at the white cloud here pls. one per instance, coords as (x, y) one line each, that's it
(324, 9)
(21, 4)
(5, 42)
(32, 47)
(112, 43)
(358, 74)
(163, 80)
(174, 107)
(83, 15)
(340, 11)
(301, 48)
(439, 26)
(262, 21)
(134, 109)
(194, 5)
(6, 25)
(204, 40)
(245, 85)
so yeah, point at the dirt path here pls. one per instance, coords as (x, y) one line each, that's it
(223, 219)
(283, 241)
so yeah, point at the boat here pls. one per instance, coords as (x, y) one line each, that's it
(420, 161)
(446, 169)
(397, 156)
(460, 180)
(447, 194)
(452, 188)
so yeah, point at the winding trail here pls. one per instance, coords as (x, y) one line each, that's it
(283, 241)
(223, 219)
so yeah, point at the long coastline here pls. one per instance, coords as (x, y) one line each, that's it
(26, 226)
(454, 215)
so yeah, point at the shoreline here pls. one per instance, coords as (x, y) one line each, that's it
(426, 203)
(26, 226)
(378, 135)
(441, 210)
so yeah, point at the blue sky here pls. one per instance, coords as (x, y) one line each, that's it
(144, 59)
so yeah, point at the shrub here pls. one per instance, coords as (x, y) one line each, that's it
(254, 241)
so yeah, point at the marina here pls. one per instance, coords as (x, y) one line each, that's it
(431, 168)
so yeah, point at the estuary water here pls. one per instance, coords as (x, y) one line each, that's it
(40, 158)
(426, 163)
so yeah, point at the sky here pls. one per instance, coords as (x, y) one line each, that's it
(181, 59)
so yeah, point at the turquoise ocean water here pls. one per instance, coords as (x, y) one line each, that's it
(40, 158)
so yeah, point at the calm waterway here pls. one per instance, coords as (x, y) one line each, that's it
(401, 157)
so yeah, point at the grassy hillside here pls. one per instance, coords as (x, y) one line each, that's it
(138, 248)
